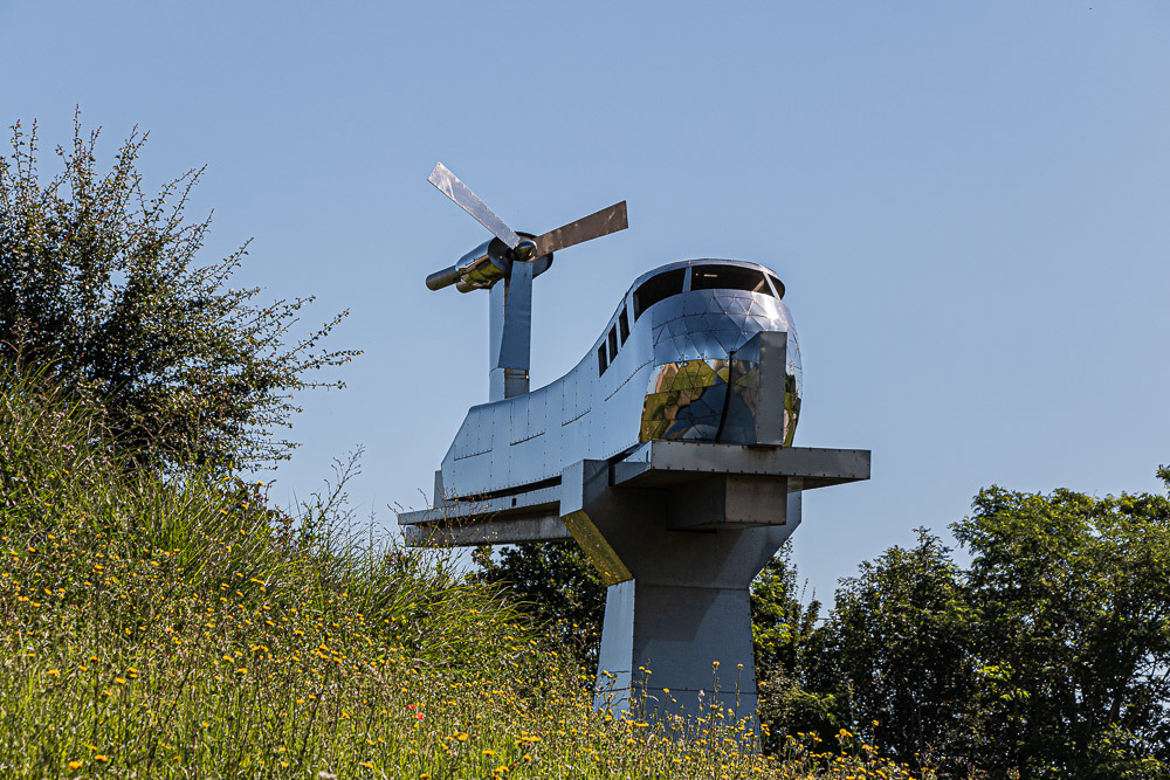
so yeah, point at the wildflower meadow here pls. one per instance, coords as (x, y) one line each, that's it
(175, 625)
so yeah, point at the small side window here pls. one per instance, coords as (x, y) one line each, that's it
(601, 364)
(657, 288)
(613, 345)
(624, 326)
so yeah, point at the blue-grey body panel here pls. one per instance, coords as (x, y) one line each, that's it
(589, 414)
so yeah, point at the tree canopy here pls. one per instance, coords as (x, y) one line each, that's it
(1048, 655)
(102, 291)
(1073, 594)
(900, 637)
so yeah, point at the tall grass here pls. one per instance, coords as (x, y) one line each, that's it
(174, 625)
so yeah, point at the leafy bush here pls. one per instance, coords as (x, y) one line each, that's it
(100, 283)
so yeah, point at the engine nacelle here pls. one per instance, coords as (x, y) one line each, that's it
(483, 266)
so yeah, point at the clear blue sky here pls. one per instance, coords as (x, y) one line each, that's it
(969, 204)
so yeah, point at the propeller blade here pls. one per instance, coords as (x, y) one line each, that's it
(449, 184)
(602, 223)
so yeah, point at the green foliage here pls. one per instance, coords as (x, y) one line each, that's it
(1074, 631)
(101, 284)
(781, 624)
(1047, 656)
(178, 626)
(900, 644)
(788, 647)
(555, 583)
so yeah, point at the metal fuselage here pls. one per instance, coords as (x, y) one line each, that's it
(673, 370)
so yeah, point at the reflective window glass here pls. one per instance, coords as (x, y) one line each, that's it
(601, 360)
(656, 288)
(728, 277)
(624, 326)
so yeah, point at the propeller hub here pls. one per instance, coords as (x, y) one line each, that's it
(524, 251)
(487, 264)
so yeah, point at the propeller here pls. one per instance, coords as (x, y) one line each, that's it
(600, 223)
(449, 184)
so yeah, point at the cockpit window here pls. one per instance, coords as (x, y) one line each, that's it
(656, 288)
(728, 277)
(777, 284)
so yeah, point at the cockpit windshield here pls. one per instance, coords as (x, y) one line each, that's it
(704, 277)
(729, 277)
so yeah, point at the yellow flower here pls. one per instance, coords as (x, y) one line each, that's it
(489, 752)
(461, 737)
(367, 764)
(102, 758)
(120, 680)
(74, 765)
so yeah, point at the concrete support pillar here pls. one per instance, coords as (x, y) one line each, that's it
(694, 642)
(677, 612)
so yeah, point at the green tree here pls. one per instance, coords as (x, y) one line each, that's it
(789, 654)
(101, 286)
(902, 641)
(781, 624)
(557, 585)
(1074, 598)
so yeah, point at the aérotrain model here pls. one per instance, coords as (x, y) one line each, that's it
(665, 453)
(675, 361)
